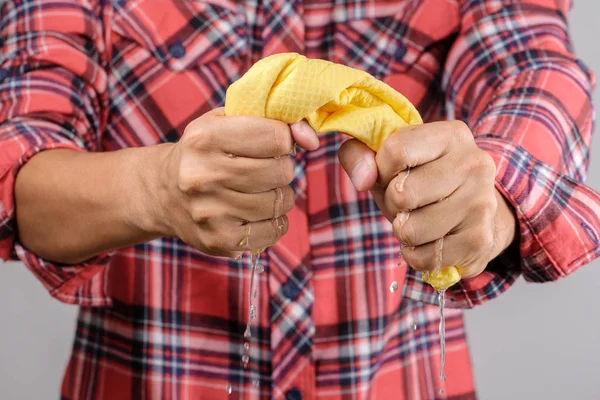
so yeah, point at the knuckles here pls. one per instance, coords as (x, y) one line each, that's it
(198, 134)
(201, 216)
(480, 240)
(460, 131)
(405, 200)
(198, 180)
(407, 234)
(393, 149)
(213, 247)
(483, 166)
(287, 170)
(288, 199)
(281, 135)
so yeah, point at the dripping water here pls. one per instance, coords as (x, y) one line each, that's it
(252, 294)
(257, 268)
(412, 325)
(400, 182)
(399, 188)
(442, 300)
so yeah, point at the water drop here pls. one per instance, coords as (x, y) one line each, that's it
(439, 248)
(246, 346)
(247, 333)
(228, 388)
(394, 287)
(442, 300)
(277, 205)
(293, 150)
(245, 359)
(245, 242)
(255, 383)
(252, 313)
(441, 391)
(400, 181)
(412, 325)
(260, 268)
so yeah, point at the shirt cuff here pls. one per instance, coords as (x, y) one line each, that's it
(558, 222)
(81, 284)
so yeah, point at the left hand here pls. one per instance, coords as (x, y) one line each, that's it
(449, 193)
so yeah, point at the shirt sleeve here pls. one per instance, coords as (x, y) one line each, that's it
(512, 76)
(53, 94)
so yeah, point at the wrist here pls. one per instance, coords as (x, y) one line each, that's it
(147, 172)
(505, 225)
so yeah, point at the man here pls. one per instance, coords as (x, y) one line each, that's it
(126, 190)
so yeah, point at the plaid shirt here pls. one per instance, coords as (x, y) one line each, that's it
(161, 319)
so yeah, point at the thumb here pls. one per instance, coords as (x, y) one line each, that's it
(304, 135)
(358, 160)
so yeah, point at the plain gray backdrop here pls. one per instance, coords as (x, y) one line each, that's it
(534, 342)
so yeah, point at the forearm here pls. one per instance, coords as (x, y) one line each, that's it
(88, 204)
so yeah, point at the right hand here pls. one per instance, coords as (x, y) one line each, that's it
(223, 177)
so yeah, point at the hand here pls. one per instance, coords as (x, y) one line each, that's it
(223, 188)
(437, 188)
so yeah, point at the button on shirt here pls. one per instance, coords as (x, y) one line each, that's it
(163, 320)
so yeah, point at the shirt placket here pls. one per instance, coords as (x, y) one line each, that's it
(290, 292)
(291, 300)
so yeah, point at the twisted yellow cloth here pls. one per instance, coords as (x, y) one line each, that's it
(331, 97)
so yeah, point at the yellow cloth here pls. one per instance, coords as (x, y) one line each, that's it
(331, 97)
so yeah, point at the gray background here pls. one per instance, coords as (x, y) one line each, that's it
(534, 342)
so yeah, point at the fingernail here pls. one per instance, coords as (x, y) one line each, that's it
(360, 174)
(303, 128)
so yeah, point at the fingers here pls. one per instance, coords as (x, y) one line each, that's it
(421, 186)
(417, 145)
(358, 160)
(256, 175)
(252, 137)
(469, 244)
(260, 206)
(467, 250)
(229, 238)
(304, 135)
(264, 233)
(429, 223)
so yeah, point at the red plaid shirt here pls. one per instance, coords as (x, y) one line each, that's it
(162, 320)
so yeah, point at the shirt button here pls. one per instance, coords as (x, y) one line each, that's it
(290, 290)
(177, 50)
(3, 74)
(293, 394)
